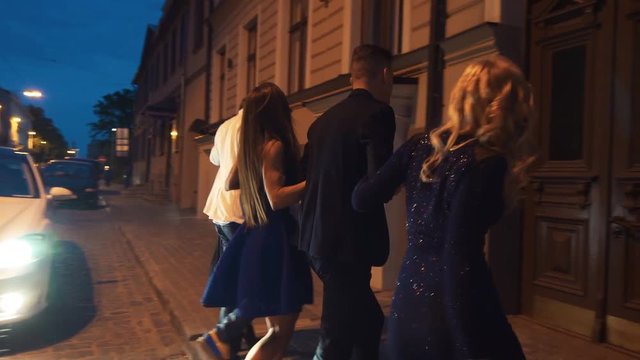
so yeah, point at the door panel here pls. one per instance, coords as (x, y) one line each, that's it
(566, 223)
(623, 307)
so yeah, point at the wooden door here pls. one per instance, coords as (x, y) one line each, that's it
(566, 223)
(623, 300)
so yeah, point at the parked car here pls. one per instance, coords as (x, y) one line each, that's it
(78, 176)
(25, 237)
(99, 168)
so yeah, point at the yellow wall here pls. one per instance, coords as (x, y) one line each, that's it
(206, 174)
(417, 13)
(188, 169)
(326, 26)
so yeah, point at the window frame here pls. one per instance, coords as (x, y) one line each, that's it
(221, 77)
(252, 54)
(298, 27)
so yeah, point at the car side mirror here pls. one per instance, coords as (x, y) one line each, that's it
(60, 193)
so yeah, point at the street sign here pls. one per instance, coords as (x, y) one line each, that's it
(122, 142)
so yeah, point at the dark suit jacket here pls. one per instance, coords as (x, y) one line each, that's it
(335, 159)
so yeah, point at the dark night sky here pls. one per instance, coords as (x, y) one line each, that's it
(74, 51)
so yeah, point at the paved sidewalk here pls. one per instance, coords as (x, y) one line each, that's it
(175, 249)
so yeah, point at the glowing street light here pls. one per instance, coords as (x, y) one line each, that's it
(43, 142)
(36, 94)
(114, 129)
(71, 151)
(16, 119)
(30, 141)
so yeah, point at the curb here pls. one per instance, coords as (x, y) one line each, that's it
(190, 347)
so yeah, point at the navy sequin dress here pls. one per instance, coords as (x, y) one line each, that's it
(262, 273)
(445, 304)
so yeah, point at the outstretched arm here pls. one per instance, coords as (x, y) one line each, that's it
(379, 187)
(279, 195)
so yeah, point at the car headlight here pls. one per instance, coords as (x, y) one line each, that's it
(22, 251)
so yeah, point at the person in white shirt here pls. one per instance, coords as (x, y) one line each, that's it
(223, 207)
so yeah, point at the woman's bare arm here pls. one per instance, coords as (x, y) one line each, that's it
(233, 180)
(279, 195)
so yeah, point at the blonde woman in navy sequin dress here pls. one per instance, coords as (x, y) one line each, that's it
(458, 179)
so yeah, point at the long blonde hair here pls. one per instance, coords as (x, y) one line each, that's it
(492, 103)
(266, 116)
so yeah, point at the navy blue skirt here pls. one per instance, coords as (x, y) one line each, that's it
(261, 273)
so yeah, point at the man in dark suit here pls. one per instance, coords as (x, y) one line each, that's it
(343, 244)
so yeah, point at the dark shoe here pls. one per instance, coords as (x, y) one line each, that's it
(249, 336)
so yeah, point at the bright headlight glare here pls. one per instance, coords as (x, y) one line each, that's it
(18, 252)
(11, 303)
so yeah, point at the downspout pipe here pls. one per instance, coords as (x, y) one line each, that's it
(207, 86)
(436, 64)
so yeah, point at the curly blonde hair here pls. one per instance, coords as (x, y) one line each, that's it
(492, 103)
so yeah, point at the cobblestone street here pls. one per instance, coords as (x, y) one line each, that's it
(101, 305)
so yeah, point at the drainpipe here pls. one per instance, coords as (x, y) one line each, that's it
(436, 64)
(207, 85)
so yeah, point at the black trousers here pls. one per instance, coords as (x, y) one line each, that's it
(352, 319)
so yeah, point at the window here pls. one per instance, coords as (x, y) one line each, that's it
(165, 63)
(382, 24)
(157, 73)
(198, 25)
(174, 46)
(184, 32)
(297, 44)
(222, 65)
(252, 47)
(567, 103)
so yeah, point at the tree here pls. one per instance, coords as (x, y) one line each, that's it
(55, 146)
(114, 110)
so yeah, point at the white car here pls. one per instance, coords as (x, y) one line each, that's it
(25, 237)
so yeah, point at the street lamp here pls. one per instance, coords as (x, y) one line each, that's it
(31, 135)
(36, 94)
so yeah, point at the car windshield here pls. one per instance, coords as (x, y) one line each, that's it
(73, 170)
(16, 178)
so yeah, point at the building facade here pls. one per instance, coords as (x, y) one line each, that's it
(566, 256)
(15, 122)
(171, 82)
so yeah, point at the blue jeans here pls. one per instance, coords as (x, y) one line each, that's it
(231, 328)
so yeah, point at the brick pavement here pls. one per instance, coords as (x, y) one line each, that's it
(175, 249)
(101, 304)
